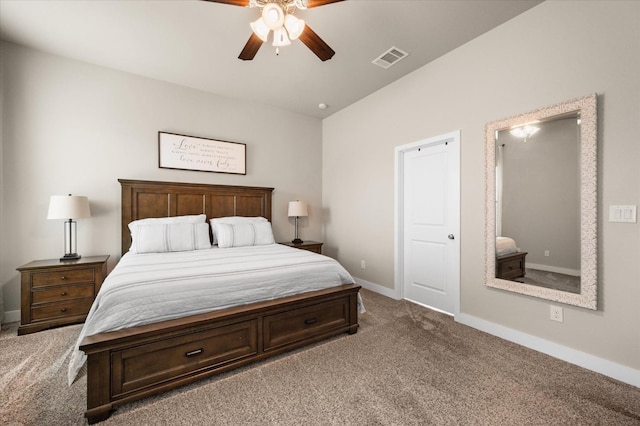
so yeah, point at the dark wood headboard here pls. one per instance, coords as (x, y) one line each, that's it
(144, 199)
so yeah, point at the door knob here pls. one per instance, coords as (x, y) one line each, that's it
(450, 236)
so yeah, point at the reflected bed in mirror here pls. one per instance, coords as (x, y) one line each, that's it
(541, 203)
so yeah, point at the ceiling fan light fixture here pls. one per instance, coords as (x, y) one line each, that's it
(273, 16)
(280, 38)
(525, 131)
(260, 29)
(294, 26)
(277, 16)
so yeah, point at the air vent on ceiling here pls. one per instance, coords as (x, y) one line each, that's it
(390, 57)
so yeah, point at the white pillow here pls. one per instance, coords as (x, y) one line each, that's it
(133, 226)
(505, 245)
(164, 237)
(244, 234)
(231, 220)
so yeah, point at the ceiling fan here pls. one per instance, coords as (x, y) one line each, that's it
(277, 16)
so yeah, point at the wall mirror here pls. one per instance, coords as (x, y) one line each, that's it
(541, 195)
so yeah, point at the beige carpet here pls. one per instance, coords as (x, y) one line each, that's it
(406, 366)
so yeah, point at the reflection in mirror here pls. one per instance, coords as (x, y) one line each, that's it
(541, 203)
(538, 203)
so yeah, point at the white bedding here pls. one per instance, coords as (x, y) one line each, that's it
(148, 288)
(505, 245)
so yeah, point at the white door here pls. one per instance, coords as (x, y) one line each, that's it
(430, 223)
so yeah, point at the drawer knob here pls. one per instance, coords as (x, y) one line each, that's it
(63, 310)
(193, 353)
(310, 321)
(63, 278)
(64, 293)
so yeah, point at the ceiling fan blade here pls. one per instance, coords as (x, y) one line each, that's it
(243, 3)
(316, 3)
(251, 48)
(316, 44)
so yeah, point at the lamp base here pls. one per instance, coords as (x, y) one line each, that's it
(70, 256)
(297, 241)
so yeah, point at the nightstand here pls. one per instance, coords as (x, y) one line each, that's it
(511, 266)
(314, 246)
(55, 293)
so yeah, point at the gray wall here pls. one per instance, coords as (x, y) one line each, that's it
(554, 52)
(71, 127)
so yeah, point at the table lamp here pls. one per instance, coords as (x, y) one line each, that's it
(297, 209)
(69, 207)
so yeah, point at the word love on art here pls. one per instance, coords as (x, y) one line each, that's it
(201, 154)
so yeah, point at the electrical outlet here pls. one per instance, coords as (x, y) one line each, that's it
(546, 253)
(555, 313)
(363, 265)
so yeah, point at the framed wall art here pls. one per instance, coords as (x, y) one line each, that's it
(184, 152)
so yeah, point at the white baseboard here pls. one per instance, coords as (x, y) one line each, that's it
(11, 316)
(385, 291)
(556, 269)
(590, 362)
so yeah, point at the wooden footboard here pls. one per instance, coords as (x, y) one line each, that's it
(130, 364)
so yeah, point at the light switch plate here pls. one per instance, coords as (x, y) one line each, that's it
(622, 214)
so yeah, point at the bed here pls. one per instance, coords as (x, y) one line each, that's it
(133, 362)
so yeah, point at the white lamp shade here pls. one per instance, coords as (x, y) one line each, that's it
(297, 208)
(273, 16)
(294, 26)
(260, 29)
(68, 207)
(280, 38)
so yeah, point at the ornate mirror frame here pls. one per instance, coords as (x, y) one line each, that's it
(586, 107)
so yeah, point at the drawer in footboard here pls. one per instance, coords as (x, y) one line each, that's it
(161, 361)
(304, 323)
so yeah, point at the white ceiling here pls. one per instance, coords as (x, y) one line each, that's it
(196, 43)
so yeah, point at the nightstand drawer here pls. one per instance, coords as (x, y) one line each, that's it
(62, 277)
(511, 266)
(316, 248)
(80, 307)
(62, 293)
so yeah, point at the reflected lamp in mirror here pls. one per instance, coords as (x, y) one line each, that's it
(541, 203)
(69, 207)
(297, 209)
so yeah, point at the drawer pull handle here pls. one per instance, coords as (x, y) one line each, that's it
(63, 310)
(310, 321)
(193, 353)
(63, 278)
(64, 293)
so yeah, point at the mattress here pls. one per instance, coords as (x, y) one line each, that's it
(148, 288)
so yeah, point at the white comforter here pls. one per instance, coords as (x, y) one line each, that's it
(147, 288)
